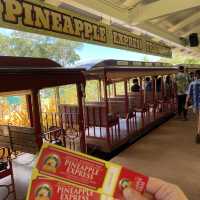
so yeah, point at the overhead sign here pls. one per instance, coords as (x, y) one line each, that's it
(39, 17)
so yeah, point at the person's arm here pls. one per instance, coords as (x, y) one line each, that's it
(187, 102)
(156, 190)
(189, 93)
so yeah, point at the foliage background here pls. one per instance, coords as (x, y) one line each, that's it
(13, 110)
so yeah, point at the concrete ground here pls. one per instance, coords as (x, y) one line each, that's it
(169, 152)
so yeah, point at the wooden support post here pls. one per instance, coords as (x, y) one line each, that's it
(174, 94)
(153, 88)
(29, 109)
(142, 101)
(140, 81)
(126, 96)
(109, 91)
(115, 90)
(107, 109)
(162, 94)
(162, 88)
(80, 94)
(36, 116)
(154, 92)
(126, 105)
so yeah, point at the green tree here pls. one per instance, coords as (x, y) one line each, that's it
(145, 58)
(33, 45)
(179, 58)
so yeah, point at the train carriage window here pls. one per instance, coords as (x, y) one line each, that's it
(92, 90)
(48, 100)
(13, 111)
(120, 88)
(111, 90)
(68, 94)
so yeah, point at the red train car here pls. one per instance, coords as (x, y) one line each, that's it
(120, 115)
(27, 76)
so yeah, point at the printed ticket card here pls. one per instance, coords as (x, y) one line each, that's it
(43, 188)
(86, 171)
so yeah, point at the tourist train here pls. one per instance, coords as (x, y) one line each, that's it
(115, 117)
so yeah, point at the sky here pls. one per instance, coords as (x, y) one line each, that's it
(93, 52)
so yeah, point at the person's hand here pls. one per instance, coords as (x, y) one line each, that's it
(186, 106)
(156, 190)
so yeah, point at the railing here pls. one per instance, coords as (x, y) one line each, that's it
(61, 129)
(100, 124)
(50, 119)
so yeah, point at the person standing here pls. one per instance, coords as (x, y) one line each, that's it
(193, 94)
(158, 84)
(192, 76)
(181, 86)
(135, 87)
(148, 84)
(168, 87)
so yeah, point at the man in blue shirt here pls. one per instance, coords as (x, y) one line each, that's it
(193, 93)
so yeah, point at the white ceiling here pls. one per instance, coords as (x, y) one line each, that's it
(169, 21)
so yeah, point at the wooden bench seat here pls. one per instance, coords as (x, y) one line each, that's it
(18, 138)
(96, 116)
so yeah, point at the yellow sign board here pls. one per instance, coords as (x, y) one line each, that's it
(38, 17)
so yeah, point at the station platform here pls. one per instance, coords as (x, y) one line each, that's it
(168, 152)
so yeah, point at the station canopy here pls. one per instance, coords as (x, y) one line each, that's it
(169, 22)
(147, 26)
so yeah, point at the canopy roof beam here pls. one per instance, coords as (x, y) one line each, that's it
(134, 14)
(100, 8)
(142, 13)
(163, 35)
(195, 29)
(185, 22)
(129, 3)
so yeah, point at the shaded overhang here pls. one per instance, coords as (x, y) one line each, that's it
(169, 22)
(62, 19)
(23, 74)
(118, 70)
